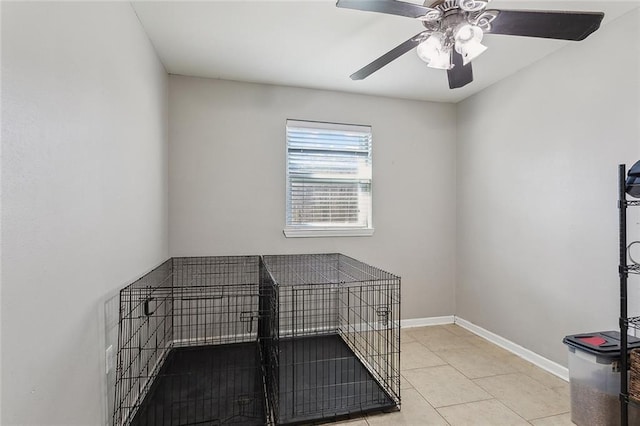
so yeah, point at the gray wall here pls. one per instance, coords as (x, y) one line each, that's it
(84, 196)
(227, 180)
(537, 189)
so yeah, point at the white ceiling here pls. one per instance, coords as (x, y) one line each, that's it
(312, 43)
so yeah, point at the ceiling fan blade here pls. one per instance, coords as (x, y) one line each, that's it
(391, 55)
(391, 7)
(460, 75)
(546, 24)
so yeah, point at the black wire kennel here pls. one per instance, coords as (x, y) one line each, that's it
(335, 347)
(257, 340)
(188, 345)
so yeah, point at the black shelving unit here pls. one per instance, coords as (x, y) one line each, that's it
(624, 270)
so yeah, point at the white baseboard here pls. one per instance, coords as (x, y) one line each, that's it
(421, 322)
(540, 361)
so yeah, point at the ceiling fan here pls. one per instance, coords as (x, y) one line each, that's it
(455, 28)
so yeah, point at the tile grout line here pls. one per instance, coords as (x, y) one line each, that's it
(512, 410)
(548, 417)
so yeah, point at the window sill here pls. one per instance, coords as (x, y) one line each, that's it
(327, 232)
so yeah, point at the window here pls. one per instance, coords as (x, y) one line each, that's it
(328, 180)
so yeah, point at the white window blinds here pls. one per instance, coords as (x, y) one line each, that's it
(328, 179)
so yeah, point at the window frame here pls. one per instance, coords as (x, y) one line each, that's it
(316, 230)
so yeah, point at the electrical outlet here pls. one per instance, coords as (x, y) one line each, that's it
(109, 359)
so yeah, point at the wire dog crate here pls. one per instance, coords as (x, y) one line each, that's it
(257, 340)
(335, 342)
(188, 345)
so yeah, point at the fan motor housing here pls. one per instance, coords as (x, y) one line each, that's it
(442, 5)
(452, 15)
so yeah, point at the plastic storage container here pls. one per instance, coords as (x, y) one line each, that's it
(594, 378)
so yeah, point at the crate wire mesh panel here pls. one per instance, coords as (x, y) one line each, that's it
(143, 340)
(335, 343)
(250, 340)
(188, 347)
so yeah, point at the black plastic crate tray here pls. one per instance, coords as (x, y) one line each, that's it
(320, 378)
(206, 385)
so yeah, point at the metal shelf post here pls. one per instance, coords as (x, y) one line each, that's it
(622, 270)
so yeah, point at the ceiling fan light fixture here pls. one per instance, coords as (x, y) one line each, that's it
(467, 42)
(442, 61)
(470, 51)
(434, 53)
(467, 33)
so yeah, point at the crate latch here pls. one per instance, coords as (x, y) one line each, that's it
(383, 312)
(247, 317)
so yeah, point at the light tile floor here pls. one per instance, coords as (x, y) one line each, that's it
(453, 377)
